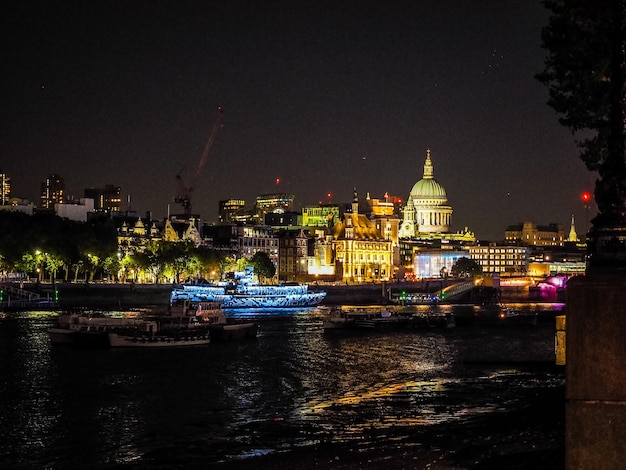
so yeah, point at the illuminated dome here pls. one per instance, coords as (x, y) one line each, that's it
(426, 211)
(427, 187)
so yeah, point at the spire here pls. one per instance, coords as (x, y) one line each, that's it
(428, 166)
(355, 202)
(573, 236)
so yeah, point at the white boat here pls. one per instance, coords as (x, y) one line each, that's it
(243, 293)
(89, 330)
(188, 324)
(220, 329)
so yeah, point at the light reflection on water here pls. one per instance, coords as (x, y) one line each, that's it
(292, 386)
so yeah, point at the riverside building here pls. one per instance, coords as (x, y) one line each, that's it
(362, 254)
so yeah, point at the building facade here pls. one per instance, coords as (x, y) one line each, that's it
(5, 188)
(267, 203)
(511, 260)
(531, 233)
(292, 256)
(52, 192)
(361, 253)
(436, 263)
(321, 215)
(107, 199)
(73, 211)
(229, 208)
(253, 238)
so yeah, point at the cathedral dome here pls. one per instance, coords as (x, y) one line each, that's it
(427, 211)
(427, 187)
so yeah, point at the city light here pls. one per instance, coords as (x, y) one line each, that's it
(586, 197)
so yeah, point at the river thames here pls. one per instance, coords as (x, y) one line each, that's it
(291, 388)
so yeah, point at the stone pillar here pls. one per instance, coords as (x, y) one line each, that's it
(596, 372)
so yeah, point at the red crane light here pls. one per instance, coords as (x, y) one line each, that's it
(586, 197)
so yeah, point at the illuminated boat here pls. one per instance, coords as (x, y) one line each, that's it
(246, 294)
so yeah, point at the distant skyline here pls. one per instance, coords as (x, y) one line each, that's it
(322, 96)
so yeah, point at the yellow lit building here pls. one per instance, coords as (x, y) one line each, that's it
(530, 233)
(361, 252)
(322, 215)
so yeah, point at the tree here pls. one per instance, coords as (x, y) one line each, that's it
(53, 263)
(263, 266)
(585, 76)
(465, 267)
(112, 266)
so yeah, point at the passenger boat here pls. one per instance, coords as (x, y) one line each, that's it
(83, 329)
(188, 324)
(169, 340)
(210, 315)
(243, 293)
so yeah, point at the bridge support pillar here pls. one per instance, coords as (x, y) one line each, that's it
(596, 372)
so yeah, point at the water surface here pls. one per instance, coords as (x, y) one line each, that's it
(292, 386)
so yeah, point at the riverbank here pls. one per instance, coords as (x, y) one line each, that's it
(157, 296)
(127, 295)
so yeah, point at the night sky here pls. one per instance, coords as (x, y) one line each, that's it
(324, 96)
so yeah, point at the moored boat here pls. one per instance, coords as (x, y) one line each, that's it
(158, 340)
(87, 330)
(211, 316)
(381, 319)
(496, 315)
(188, 324)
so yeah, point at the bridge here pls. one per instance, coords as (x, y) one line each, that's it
(455, 290)
(444, 295)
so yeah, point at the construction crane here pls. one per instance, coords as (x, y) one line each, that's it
(185, 192)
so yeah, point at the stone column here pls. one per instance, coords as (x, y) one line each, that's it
(596, 372)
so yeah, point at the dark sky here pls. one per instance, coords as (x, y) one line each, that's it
(323, 96)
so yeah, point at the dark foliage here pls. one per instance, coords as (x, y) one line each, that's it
(22, 234)
(263, 266)
(584, 74)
